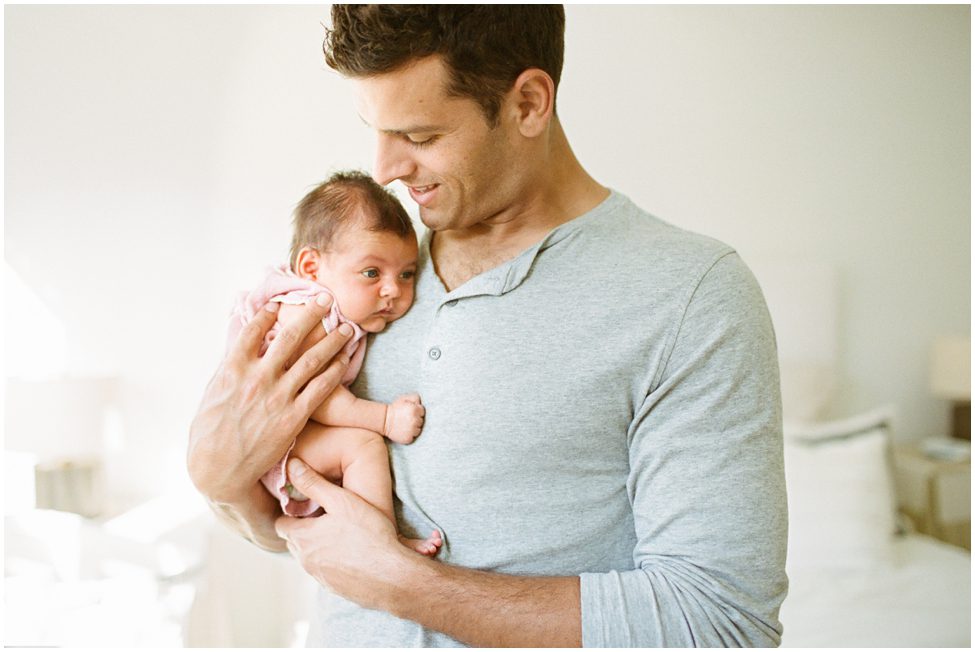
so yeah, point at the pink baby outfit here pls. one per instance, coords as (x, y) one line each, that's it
(283, 286)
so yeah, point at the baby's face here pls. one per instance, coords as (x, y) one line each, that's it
(371, 275)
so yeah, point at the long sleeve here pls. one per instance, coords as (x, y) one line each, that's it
(706, 485)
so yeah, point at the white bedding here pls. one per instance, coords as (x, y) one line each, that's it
(921, 599)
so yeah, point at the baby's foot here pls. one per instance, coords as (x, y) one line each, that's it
(428, 547)
(404, 419)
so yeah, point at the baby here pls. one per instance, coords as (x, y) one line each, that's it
(354, 241)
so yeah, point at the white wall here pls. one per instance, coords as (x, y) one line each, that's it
(153, 155)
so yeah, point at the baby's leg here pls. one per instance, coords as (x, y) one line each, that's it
(352, 457)
(357, 459)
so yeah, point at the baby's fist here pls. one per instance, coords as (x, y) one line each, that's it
(404, 419)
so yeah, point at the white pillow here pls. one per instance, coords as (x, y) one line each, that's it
(842, 512)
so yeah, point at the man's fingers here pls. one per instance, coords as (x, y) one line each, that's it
(317, 358)
(248, 341)
(290, 337)
(310, 483)
(306, 480)
(320, 386)
(285, 527)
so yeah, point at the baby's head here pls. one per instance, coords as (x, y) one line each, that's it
(354, 237)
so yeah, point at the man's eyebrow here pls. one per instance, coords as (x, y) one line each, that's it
(413, 129)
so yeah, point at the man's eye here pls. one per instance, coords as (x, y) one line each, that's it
(420, 141)
(370, 273)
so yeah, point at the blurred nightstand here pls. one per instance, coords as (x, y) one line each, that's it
(935, 493)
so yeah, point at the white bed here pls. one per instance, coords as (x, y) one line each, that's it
(859, 577)
(920, 599)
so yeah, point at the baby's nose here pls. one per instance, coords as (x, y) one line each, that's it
(390, 289)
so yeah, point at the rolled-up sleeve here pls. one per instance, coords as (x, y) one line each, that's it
(706, 485)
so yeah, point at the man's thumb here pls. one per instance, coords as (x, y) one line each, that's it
(310, 483)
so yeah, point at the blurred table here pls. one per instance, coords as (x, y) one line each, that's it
(935, 493)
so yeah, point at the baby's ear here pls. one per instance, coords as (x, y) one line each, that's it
(307, 263)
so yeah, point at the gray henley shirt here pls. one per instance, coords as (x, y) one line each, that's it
(605, 405)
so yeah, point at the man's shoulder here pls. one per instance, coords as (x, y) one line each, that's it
(625, 235)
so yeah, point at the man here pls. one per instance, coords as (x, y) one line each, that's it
(602, 450)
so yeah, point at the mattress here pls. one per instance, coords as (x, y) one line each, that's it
(921, 598)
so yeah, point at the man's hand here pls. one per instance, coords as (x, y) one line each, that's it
(255, 406)
(352, 549)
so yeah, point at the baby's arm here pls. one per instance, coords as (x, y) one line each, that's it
(400, 421)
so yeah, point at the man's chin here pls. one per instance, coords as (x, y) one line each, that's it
(432, 219)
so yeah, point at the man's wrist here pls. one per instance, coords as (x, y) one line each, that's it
(207, 476)
(252, 515)
(484, 609)
(407, 572)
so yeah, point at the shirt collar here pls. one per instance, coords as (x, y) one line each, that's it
(510, 274)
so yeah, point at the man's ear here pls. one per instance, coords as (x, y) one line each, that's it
(307, 263)
(533, 95)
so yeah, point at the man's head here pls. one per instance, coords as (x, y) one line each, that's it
(354, 237)
(462, 100)
(484, 47)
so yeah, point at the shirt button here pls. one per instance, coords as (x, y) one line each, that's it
(434, 353)
(452, 303)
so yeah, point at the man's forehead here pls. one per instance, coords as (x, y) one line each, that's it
(408, 100)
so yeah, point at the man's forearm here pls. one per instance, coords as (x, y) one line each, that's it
(253, 518)
(485, 609)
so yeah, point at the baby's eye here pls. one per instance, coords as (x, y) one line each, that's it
(407, 276)
(370, 273)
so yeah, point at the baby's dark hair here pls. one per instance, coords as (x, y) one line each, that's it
(343, 199)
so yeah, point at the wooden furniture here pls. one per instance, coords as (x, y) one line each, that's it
(935, 494)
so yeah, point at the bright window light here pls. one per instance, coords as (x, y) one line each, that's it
(35, 341)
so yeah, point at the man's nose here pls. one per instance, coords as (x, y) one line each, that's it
(392, 162)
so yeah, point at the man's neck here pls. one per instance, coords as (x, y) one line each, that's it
(563, 193)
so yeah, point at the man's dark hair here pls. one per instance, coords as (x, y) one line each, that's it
(485, 47)
(345, 198)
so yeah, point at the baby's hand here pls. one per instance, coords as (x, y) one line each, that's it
(404, 419)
